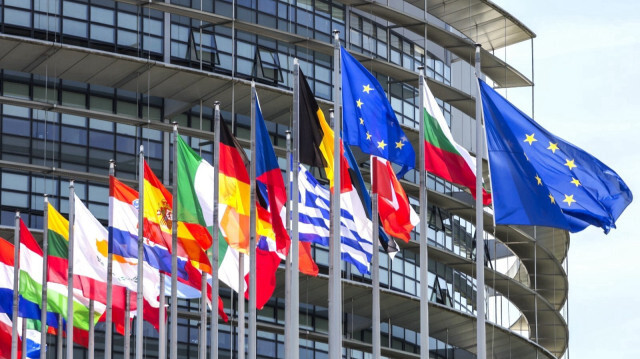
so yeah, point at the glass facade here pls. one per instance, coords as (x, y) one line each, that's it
(32, 135)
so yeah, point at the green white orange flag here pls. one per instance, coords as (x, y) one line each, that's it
(443, 156)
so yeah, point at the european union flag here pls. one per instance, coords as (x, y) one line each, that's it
(368, 119)
(540, 179)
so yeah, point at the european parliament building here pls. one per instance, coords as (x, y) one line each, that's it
(86, 81)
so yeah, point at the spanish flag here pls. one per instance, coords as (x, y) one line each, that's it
(158, 223)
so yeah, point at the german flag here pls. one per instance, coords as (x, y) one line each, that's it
(234, 195)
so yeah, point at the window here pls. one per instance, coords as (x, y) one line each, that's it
(267, 65)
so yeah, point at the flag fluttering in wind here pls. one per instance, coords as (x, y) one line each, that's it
(314, 214)
(123, 202)
(58, 262)
(389, 245)
(317, 150)
(540, 179)
(26, 309)
(396, 214)
(368, 119)
(234, 195)
(57, 285)
(443, 156)
(158, 226)
(271, 196)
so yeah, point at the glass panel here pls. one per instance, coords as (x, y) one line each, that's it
(15, 181)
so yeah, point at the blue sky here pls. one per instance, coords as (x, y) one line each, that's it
(586, 74)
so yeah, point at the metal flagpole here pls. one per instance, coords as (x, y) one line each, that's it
(241, 307)
(92, 331)
(424, 248)
(294, 309)
(174, 250)
(375, 275)
(202, 345)
(252, 231)
(139, 302)
(127, 324)
(215, 249)
(72, 218)
(424, 209)
(162, 332)
(108, 332)
(287, 266)
(16, 280)
(23, 348)
(335, 272)
(482, 341)
(59, 340)
(45, 266)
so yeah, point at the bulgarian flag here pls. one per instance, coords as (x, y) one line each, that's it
(443, 156)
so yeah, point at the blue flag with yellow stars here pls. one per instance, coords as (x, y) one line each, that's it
(368, 119)
(540, 179)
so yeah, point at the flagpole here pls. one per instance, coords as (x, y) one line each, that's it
(127, 324)
(424, 248)
(202, 345)
(162, 330)
(482, 341)
(72, 218)
(16, 287)
(59, 342)
(295, 237)
(23, 349)
(288, 351)
(215, 249)
(241, 307)
(252, 231)
(375, 274)
(335, 271)
(139, 298)
(174, 250)
(92, 331)
(45, 266)
(108, 332)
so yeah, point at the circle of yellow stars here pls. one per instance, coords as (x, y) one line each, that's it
(570, 163)
(380, 144)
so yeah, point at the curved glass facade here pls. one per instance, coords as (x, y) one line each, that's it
(95, 123)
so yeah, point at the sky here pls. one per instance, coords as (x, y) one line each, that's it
(586, 91)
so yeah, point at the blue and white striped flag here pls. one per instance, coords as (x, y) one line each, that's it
(314, 213)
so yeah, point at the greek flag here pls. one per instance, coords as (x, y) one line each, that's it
(314, 218)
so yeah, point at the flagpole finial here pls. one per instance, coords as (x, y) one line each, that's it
(295, 61)
(112, 163)
(71, 183)
(175, 126)
(288, 134)
(336, 35)
(253, 84)
(46, 198)
(216, 103)
(17, 214)
(141, 148)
